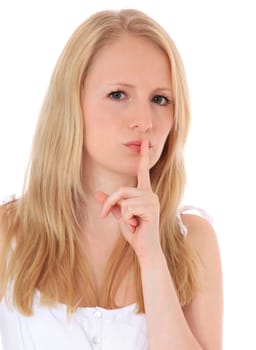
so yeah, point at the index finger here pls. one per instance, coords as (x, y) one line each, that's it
(143, 167)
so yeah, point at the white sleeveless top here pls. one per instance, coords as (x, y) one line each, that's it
(89, 328)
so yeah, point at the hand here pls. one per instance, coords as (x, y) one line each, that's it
(136, 209)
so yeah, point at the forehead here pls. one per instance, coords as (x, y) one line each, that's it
(131, 57)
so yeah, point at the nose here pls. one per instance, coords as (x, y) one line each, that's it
(141, 118)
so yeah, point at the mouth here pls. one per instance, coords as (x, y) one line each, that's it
(135, 145)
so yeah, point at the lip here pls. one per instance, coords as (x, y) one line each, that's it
(135, 145)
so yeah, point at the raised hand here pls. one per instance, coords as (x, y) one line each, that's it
(136, 209)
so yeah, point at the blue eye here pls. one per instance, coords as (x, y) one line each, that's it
(161, 100)
(117, 95)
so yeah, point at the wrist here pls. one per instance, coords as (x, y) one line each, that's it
(153, 260)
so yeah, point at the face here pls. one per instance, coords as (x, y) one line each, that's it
(127, 97)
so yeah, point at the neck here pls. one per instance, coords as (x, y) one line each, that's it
(98, 178)
(96, 227)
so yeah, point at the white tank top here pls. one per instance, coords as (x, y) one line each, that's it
(89, 328)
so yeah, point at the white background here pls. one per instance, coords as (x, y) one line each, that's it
(217, 42)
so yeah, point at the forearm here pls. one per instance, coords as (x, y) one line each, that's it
(167, 326)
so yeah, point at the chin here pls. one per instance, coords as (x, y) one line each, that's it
(129, 170)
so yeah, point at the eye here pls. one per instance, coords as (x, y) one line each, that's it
(117, 95)
(161, 100)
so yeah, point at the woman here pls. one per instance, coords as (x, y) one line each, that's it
(96, 254)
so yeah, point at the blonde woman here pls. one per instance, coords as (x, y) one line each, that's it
(97, 253)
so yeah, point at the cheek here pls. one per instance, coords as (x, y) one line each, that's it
(164, 131)
(95, 120)
(100, 113)
(99, 128)
(165, 128)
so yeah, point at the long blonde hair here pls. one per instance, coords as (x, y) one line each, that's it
(45, 221)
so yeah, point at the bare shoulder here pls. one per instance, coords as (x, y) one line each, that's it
(203, 238)
(201, 233)
(207, 306)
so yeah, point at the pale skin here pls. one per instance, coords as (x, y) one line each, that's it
(120, 183)
(137, 212)
(121, 200)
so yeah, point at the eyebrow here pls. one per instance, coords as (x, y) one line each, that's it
(162, 88)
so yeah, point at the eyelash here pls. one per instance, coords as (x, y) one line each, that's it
(115, 95)
(167, 101)
(117, 92)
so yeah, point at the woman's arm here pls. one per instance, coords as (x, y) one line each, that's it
(199, 327)
(205, 313)
(169, 328)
